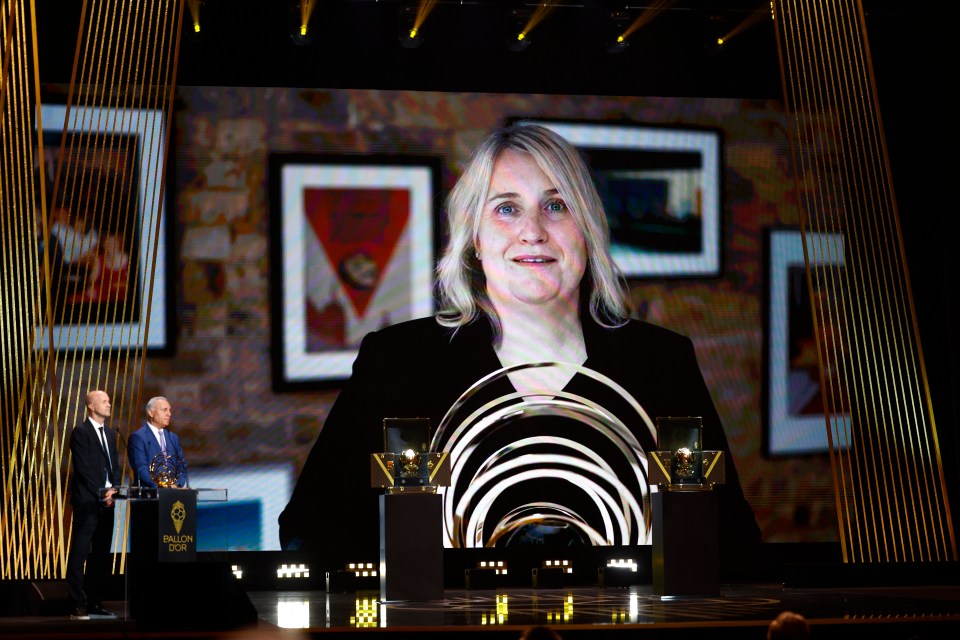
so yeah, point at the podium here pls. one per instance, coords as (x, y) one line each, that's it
(167, 587)
(163, 522)
(411, 546)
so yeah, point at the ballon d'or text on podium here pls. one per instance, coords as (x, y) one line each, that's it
(177, 525)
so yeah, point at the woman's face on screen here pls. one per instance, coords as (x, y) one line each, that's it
(530, 246)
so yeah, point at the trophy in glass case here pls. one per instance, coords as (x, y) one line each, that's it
(685, 511)
(411, 518)
(680, 463)
(406, 464)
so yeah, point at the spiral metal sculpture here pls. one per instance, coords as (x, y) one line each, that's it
(595, 467)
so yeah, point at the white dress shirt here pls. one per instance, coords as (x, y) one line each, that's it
(156, 434)
(101, 436)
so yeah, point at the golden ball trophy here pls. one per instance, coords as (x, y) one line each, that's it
(685, 514)
(411, 510)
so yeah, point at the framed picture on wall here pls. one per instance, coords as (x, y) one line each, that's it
(108, 228)
(794, 407)
(661, 190)
(352, 250)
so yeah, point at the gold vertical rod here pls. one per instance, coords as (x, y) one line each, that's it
(123, 67)
(890, 487)
(853, 270)
(865, 213)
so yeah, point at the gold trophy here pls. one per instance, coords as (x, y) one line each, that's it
(406, 463)
(680, 463)
(166, 470)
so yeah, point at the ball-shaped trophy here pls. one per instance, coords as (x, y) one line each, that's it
(165, 470)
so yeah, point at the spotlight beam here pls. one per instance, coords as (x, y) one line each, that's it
(748, 22)
(646, 17)
(541, 12)
(306, 10)
(194, 7)
(426, 6)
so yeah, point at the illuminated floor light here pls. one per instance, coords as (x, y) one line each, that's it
(622, 563)
(293, 615)
(499, 566)
(564, 565)
(362, 569)
(365, 613)
(293, 571)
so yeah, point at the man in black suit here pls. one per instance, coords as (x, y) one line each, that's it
(96, 474)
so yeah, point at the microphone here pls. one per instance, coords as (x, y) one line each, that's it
(182, 466)
(181, 461)
(126, 450)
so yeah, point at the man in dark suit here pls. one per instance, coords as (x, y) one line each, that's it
(96, 474)
(154, 438)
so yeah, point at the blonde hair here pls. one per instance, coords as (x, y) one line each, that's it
(461, 283)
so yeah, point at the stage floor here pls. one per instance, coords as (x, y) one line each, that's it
(740, 611)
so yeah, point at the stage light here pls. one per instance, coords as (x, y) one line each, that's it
(293, 571)
(503, 604)
(617, 30)
(624, 22)
(194, 7)
(411, 41)
(722, 33)
(410, 21)
(564, 616)
(524, 21)
(520, 43)
(300, 30)
(617, 45)
(499, 567)
(293, 614)
(365, 613)
(564, 565)
(237, 571)
(362, 569)
(715, 35)
(618, 572)
(622, 563)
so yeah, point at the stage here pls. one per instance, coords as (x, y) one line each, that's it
(740, 611)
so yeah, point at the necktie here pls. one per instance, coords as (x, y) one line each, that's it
(106, 449)
(163, 442)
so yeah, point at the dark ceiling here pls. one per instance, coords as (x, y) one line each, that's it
(465, 46)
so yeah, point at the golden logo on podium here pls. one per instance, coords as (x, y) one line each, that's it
(178, 514)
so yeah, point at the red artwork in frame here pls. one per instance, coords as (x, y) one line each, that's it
(352, 250)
